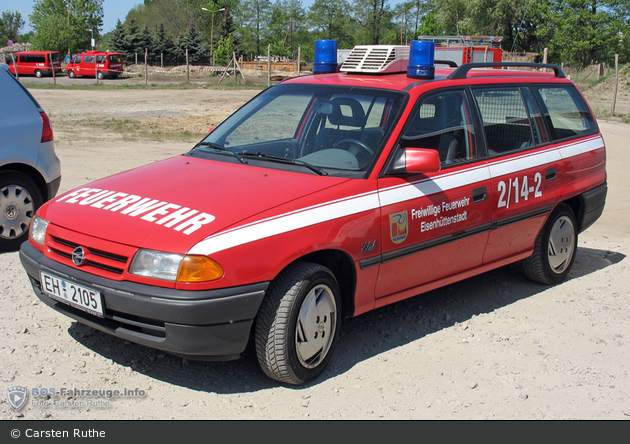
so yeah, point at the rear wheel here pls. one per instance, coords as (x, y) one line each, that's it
(101, 75)
(38, 73)
(556, 245)
(298, 324)
(19, 199)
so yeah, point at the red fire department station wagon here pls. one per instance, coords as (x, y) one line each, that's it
(324, 197)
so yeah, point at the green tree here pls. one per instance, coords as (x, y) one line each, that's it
(375, 20)
(62, 25)
(198, 52)
(133, 42)
(117, 37)
(331, 20)
(164, 46)
(254, 22)
(224, 51)
(581, 32)
(10, 25)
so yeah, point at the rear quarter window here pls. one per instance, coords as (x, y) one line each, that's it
(566, 112)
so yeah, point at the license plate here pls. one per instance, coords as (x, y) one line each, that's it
(83, 298)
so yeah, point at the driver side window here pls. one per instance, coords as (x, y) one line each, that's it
(443, 122)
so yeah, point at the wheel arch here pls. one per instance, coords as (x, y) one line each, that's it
(342, 267)
(30, 172)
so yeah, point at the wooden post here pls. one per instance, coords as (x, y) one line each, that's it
(299, 62)
(52, 66)
(146, 67)
(161, 60)
(17, 76)
(268, 65)
(187, 67)
(545, 54)
(95, 70)
(614, 101)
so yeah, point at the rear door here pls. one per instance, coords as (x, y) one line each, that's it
(523, 166)
(435, 225)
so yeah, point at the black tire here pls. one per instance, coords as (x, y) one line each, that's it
(298, 324)
(19, 199)
(100, 75)
(71, 74)
(38, 73)
(554, 252)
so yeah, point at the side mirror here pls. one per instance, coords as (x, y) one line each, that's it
(212, 128)
(421, 160)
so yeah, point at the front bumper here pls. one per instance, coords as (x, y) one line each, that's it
(203, 325)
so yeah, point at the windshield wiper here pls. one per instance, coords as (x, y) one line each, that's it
(223, 149)
(260, 155)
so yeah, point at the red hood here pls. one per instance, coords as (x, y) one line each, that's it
(173, 204)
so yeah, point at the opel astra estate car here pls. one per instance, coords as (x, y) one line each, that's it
(324, 197)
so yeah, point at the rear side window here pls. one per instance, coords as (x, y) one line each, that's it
(88, 59)
(566, 112)
(32, 58)
(101, 59)
(506, 121)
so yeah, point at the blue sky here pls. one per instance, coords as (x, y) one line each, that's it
(113, 10)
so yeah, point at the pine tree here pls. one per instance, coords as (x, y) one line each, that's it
(117, 38)
(133, 42)
(197, 52)
(164, 46)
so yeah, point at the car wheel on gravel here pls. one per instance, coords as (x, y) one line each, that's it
(71, 74)
(38, 73)
(19, 199)
(101, 76)
(556, 245)
(298, 323)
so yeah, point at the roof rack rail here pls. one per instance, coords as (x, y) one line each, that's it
(449, 63)
(462, 71)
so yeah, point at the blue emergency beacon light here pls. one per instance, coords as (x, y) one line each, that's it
(325, 56)
(421, 58)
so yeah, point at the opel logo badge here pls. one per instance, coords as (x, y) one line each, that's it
(78, 256)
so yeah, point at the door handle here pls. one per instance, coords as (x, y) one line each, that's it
(480, 194)
(550, 173)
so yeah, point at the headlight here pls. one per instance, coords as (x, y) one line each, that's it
(37, 231)
(174, 267)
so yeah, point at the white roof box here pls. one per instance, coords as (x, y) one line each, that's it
(376, 59)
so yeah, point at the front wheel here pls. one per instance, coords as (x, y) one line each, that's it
(71, 74)
(298, 324)
(555, 248)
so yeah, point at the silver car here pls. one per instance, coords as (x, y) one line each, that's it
(30, 171)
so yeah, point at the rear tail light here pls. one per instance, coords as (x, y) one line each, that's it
(47, 132)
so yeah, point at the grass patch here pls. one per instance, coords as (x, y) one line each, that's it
(133, 130)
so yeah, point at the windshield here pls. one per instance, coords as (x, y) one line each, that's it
(329, 127)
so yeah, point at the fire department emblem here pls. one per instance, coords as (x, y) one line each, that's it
(17, 396)
(398, 227)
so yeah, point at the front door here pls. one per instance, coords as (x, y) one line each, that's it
(435, 225)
